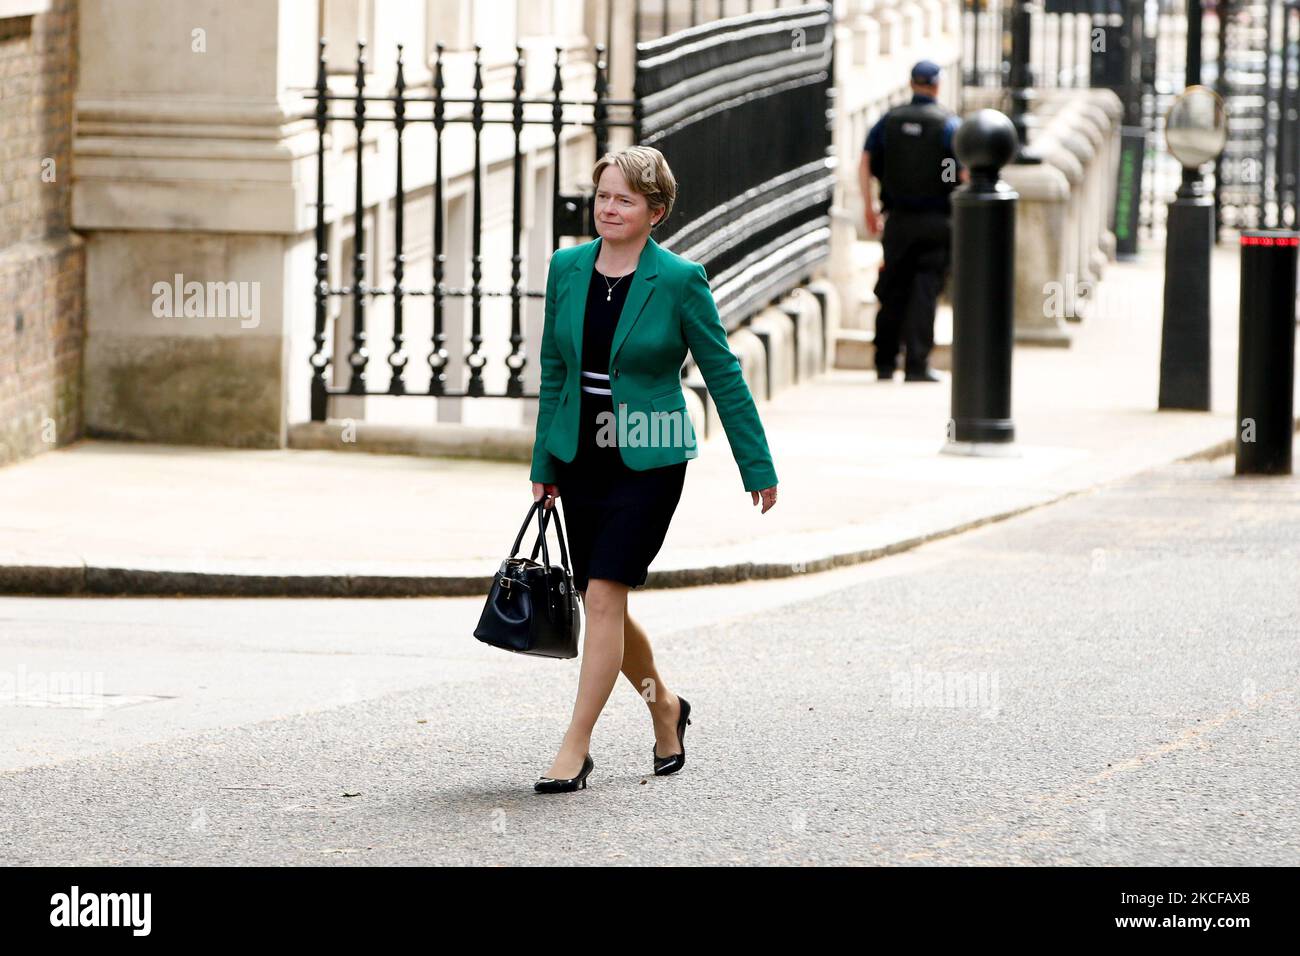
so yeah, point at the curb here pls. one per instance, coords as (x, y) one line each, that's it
(82, 580)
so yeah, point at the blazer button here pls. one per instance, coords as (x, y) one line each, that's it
(616, 373)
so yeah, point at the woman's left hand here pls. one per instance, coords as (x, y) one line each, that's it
(769, 498)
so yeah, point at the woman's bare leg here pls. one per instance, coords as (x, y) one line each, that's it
(605, 603)
(639, 668)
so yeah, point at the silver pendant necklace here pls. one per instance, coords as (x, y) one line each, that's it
(609, 289)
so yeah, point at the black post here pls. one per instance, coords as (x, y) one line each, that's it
(438, 357)
(517, 358)
(398, 359)
(558, 217)
(360, 354)
(600, 109)
(1018, 77)
(983, 286)
(1286, 129)
(1106, 66)
(1192, 76)
(1189, 231)
(1227, 17)
(1133, 36)
(1133, 139)
(319, 360)
(1266, 355)
(973, 77)
(1267, 174)
(475, 358)
(1185, 333)
(1128, 191)
(1192, 64)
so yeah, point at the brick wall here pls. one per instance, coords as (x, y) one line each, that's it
(42, 266)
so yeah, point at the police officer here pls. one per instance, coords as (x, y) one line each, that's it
(910, 151)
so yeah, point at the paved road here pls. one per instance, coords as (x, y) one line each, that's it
(1109, 680)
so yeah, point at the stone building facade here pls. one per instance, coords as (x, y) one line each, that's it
(195, 157)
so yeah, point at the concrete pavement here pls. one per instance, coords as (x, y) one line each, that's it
(858, 461)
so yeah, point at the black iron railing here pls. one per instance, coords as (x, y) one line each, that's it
(668, 16)
(1283, 155)
(402, 109)
(741, 107)
(1258, 78)
(1061, 36)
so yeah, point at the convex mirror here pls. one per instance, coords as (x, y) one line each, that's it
(1196, 127)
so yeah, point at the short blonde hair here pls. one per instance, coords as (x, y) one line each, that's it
(646, 172)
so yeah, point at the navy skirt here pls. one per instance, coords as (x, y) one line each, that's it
(615, 518)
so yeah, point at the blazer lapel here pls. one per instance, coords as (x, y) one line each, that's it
(575, 302)
(643, 286)
(579, 281)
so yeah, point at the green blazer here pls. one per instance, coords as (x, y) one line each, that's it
(669, 309)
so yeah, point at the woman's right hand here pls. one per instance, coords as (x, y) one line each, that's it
(540, 489)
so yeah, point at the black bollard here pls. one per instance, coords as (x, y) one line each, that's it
(1185, 332)
(983, 285)
(1266, 353)
(1189, 240)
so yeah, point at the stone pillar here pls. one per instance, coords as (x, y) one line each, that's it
(1044, 292)
(194, 188)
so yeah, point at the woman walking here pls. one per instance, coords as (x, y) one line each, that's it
(621, 312)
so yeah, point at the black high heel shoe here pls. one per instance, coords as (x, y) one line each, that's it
(565, 785)
(675, 762)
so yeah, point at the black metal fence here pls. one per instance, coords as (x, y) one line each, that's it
(1138, 48)
(401, 109)
(1258, 82)
(741, 107)
(1061, 38)
(1283, 157)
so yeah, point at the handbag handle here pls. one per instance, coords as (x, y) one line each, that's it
(543, 516)
(559, 533)
(519, 538)
(541, 539)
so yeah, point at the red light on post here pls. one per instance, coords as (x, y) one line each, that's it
(1249, 240)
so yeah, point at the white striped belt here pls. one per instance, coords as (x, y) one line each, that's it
(595, 389)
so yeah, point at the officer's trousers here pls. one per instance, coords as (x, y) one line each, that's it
(917, 247)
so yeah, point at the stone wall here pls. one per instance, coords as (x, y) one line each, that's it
(1063, 217)
(42, 271)
(197, 166)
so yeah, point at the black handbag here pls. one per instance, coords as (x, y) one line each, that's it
(533, 608)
